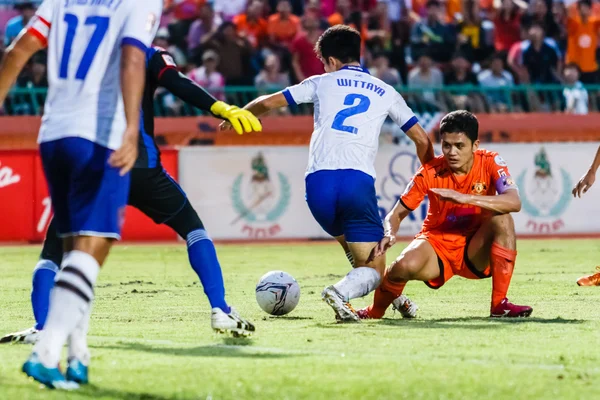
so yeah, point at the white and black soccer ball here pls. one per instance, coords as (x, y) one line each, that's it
(277, 293)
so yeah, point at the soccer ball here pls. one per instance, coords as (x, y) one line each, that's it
(277, 293)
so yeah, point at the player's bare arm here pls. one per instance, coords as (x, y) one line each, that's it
(262, 105)
(133, 78)
(586, 181)
(423, 143)
(504, 203)
(391, 224)
(15, 58)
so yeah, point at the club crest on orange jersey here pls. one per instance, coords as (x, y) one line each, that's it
(479, 188)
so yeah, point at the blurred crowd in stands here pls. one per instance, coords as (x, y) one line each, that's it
(420, 44)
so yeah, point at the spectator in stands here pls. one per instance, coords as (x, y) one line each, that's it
(378, 28)
(536, 60)
(305, 62)
(343, 11)
(575, 95)
(472, 34)
(400, 38)
(313, 8)
(583, 29)
(34, 77)
(426, 75)
(507, 25)
(203, 30)
(540, 14)
(207, 75)
(236, 51)
(382, 70)
(296, 6)
(460, 74)
(559, 12)
(270, 78)
(398, 9)
(496, 77)
(283, 25)
(162, 39)
(228, 9)
(16, 24)
(184, 13)
(251, 25)
(433, 35)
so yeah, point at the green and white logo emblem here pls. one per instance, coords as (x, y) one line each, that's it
(546, 191)
(256, 198)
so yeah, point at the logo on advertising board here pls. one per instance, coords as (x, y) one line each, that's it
(260, 199)
(8, 177)
(398, 179)
(545, 194)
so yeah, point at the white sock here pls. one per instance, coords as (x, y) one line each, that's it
(69, 302)
(78, 347)
(358, 283)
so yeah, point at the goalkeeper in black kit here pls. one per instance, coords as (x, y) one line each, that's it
(157, 195)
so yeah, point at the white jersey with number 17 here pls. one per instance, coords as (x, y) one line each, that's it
(350, 106)
(84, 39)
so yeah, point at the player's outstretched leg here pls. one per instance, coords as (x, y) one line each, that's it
(495, 244)
(203, 259)
(417, 262)
(42, 283)
(359, 282)
(590, 280)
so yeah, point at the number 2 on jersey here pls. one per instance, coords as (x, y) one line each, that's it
(72, 22)
(363, 105)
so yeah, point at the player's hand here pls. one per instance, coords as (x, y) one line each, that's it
(124, 158)
(381, 247)
(451, 195)
(584, 184)
(241, 120)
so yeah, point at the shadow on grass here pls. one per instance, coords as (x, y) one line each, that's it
(288, 318)
(93, 391)
(460, 323)
(232, 349)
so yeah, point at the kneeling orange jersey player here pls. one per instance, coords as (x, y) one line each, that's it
(468, 230)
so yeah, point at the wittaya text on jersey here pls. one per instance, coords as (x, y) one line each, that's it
(110, 4)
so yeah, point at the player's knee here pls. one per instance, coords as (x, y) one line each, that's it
(503, 224)
(404, 268)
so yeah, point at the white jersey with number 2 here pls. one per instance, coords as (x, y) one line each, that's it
(350, 106)
(84, 39)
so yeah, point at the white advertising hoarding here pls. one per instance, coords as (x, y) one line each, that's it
(258, 192)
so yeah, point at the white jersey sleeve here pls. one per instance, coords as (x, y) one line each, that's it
(39, 25)
(142, 23)
(401, 113)
(304, 92)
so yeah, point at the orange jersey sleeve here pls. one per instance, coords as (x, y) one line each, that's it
(415, 191)
(499, 174)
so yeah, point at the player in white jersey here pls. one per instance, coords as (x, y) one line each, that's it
(88, 144)
(350, 107)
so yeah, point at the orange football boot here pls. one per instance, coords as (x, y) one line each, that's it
(590, 280)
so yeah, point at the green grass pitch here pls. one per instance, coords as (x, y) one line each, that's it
(151, 339)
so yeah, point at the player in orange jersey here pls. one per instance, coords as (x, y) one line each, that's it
(584, 184)
(468, 230)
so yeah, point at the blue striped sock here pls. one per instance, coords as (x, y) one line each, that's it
(43, 282)
(203, 258)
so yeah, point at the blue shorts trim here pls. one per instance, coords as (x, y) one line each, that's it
(88, 196)
(344, 202)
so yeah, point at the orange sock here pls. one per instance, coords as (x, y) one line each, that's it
(502, 262)
(385, 294)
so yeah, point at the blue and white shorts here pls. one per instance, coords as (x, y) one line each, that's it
(88, 195)
(344, 202)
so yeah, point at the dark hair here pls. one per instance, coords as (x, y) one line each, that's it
(574, 66)
(460, 121)
(432, 3)
(340, 42)
(584, 3)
